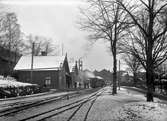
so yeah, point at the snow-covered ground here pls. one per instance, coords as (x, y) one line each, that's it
(141, 111)
(127, 105)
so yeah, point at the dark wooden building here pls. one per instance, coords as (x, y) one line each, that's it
(8, 60)
(49, 71)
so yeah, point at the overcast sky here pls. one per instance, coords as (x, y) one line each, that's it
(56, 19)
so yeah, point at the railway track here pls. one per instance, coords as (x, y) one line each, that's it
(59, 110)
(25, 106)
(16, 109)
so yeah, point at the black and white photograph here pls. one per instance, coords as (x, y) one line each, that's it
(83, 60)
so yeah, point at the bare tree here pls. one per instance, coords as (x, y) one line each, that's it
(147, 39)
(134, 66)
(10, 30)
(10, 34)
(105, 20)
(42, 44)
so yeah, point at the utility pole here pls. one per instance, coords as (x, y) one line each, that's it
(32, 61)
(119, 76)
(62, 47)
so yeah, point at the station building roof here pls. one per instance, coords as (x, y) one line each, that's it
(40, 63)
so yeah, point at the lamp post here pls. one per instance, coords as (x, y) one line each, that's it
(32, 62)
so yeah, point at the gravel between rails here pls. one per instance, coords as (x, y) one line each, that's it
(27, 105)
(76, 114)
(59, 110)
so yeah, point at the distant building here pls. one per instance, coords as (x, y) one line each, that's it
(106, 75)
(85, 78)
(89, 79)
(97, 82)
(50, 71)
(8, 60)
(74, 74)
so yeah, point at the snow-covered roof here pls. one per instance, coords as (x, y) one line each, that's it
(40, 63)
(9, 83)
(99, 77)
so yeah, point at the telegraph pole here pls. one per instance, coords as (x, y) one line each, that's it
(62, 47)
(32, 61)
(119, 76)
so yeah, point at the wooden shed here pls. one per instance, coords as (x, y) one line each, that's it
(49, 71)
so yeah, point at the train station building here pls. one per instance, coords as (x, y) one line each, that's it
(48, 71)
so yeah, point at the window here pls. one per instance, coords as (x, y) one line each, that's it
(48, 80)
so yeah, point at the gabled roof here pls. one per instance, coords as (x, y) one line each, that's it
(40, 63)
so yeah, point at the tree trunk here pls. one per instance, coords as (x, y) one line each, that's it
(134, 79)
(114, 51)
(150, 75)
(150, 85)
(114, 73)
(149, 62)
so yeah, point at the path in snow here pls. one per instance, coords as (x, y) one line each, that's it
(127, 105)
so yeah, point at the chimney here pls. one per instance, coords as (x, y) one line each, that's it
(43, 53)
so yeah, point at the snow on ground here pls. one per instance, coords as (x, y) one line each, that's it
(141, 111)
(127, 105)
(106, 104)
